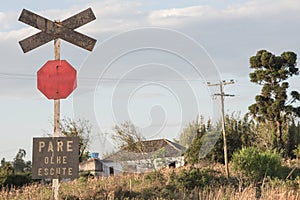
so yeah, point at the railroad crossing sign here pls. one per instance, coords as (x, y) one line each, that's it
(52, 30)
(56, 79)
(63, 78)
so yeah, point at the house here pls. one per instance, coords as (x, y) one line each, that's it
(150, 155)
(92, 165)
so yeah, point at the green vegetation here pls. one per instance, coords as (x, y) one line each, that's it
(16, 173)
(271, 122)
(239, 134)
(272, 104)
(256, 165)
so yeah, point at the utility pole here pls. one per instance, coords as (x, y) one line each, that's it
(222, 95)
(55, 182)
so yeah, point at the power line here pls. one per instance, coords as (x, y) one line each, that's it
(33, 77)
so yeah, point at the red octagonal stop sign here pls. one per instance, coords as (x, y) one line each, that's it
(56, 79)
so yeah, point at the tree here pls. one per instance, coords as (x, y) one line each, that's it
(19, 164)
(6, 168)
(239, 133)
(130, 142)
(293, 139)
(191, 131)
(16, 173)
(80, 128)
(192, 138)
(272, 104)
(127, 136)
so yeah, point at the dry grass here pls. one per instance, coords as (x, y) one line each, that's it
(32, 192)
(120, 187)
(77, 190)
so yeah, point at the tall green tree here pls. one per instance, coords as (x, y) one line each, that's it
(272, 104)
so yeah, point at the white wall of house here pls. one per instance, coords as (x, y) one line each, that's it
(164, 162)
(139, 166)
(107, 166)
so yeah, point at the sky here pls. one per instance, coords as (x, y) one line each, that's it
(151, 64)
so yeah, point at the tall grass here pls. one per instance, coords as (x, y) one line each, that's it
(158, 185)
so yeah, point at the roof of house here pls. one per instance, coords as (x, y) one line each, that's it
(159, 148)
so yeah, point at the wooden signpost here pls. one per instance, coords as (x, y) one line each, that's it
(56, 30)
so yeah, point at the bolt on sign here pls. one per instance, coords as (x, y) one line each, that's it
(55, 157)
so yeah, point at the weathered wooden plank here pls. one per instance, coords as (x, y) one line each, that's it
(79, 19)
(36, 21)
(35, 41)
(77, 39)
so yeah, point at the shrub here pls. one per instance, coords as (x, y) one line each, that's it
(84, 176)
(155, 176)
(16, 180)
(193, 178)
(255, 164)
(296, 151)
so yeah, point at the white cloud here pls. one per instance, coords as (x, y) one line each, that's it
(111, 15)
(6, 20)
(252, 9)
(180, 16)
(18, 34)
(258, 8)
(115, 16)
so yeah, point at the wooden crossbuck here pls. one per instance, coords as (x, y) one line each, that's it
(51, 30)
